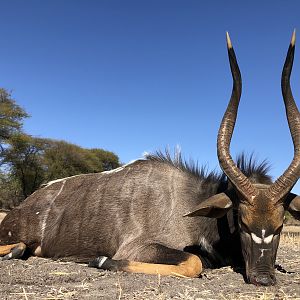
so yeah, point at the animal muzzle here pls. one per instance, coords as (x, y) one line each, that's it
(260, 269)
(259, 260)
(262, 278)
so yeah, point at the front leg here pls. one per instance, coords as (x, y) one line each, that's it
(154, 259)
(12, 251)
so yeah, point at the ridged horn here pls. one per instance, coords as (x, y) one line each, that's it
(286, 181)
(238, 179)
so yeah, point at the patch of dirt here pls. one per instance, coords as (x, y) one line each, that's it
(38, 278)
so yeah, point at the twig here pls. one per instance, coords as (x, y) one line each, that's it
(120, 289)
(24, 293)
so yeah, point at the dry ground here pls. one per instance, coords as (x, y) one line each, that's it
(38, 278)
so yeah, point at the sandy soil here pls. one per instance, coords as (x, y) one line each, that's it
(38, 278)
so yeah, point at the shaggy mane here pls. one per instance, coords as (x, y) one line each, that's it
(256, 171)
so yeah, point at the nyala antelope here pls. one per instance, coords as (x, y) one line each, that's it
(162, 216)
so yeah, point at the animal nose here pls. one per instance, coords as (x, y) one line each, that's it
(263, 279)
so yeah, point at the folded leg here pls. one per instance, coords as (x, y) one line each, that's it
(154, 259)
(12, 251)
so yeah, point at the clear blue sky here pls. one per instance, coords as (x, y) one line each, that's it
(135, 76)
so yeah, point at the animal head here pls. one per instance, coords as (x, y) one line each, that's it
(260, 207)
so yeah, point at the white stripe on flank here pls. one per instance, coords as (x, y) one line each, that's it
(59, 180)
(104, 172)
(114, 170)
(120, 168)
(47, 211)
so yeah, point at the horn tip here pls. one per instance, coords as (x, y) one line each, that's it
(229, 44)
(293, 40)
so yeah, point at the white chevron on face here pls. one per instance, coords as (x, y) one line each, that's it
(258, 240)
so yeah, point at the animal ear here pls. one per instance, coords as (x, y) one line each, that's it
(214, 207)
(293, 205)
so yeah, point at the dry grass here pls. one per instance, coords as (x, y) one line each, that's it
(291, 238)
